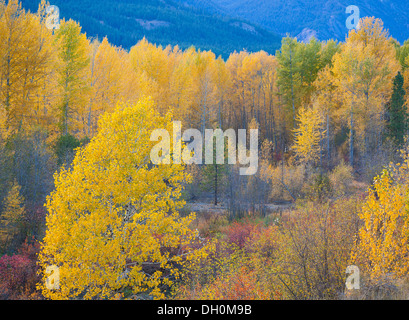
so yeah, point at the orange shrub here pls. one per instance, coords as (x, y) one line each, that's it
(240, 285)
(238, 233)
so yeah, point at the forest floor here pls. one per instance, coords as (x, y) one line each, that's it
(205, 205)
(222, 208)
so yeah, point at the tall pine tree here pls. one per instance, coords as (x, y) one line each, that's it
(397, 123)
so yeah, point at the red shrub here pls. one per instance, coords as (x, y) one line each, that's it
(238, 232)
(30, 249)
(18, 274)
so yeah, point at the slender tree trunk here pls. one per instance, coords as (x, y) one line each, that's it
(351, 139)
(66, 118)
(215, 186)
(321, 157)
(328, 144)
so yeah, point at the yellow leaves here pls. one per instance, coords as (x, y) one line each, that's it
(112, 219)
(253, 90)
(72, 70)
(308, 134)
(154, 65)
(59, 81)
(109, 77)
(362, 74)
(26, 59)
(382, 245)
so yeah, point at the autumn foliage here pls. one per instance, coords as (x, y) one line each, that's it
(76, 117)
(18, 273)
(112, 221)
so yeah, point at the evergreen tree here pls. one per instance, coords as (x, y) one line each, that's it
(214, 175)
(13, 213)
(397, 115)
(289, 78)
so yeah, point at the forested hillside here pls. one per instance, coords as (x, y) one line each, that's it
(80, 193)
(163, 23)
(323, 19)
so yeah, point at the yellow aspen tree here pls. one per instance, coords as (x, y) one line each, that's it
(382, 243)
(222, 83)
(251, 71)
(204, 75)
(363, 71)
(268, 112)
(45, 98)
(252, 92)
(73, 72)
(24, 55)
(308, 135)
(106, 73)
(113, 224)
(93, 103)
(328, 100)
(11, 27)
(243, 69)
(260, 69)
(182, 93)
(154, 64)
(133, 88)
(237, 97)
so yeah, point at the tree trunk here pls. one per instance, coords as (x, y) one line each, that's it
(351, 139)
(328, 145)
(215, 186)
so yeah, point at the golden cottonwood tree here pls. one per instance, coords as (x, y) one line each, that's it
(382, 245)
(252, 91)
(25, 60)
(107, 70)
(363, 71)
(237, 98)
(112, 223)
(308, 135)
(182, 89)
(45, 96)
(154, 65)
(205, 90)
(267, 112)
(327, 98)
(222, 82)
(73, 73)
